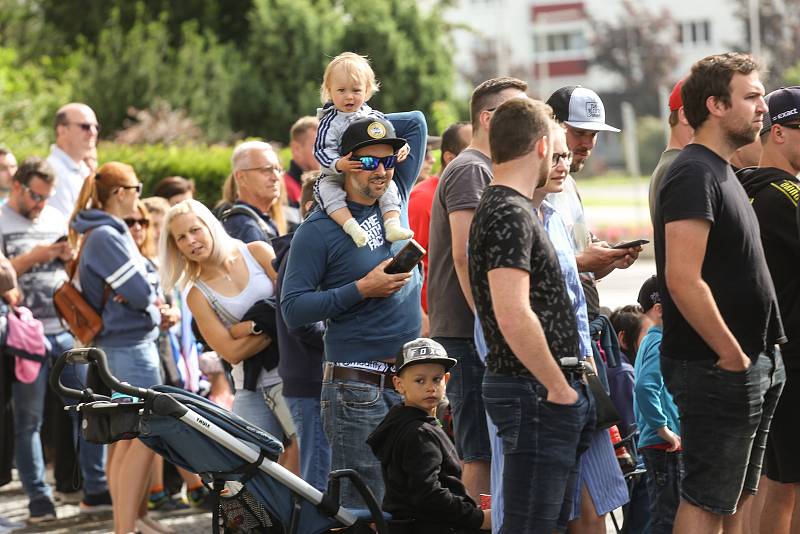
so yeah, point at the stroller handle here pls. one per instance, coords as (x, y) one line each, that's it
(92, 356)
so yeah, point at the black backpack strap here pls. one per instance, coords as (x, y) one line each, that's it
(239, 209)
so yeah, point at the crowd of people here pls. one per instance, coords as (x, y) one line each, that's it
(485, 388)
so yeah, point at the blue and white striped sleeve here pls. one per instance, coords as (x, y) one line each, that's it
(109, 257)
(326, 146)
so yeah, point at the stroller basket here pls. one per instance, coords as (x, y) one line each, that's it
(255, 494)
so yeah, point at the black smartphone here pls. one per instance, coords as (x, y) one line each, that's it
(631, 244)
(405, 260)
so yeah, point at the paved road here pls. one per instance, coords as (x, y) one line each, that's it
(13, 506)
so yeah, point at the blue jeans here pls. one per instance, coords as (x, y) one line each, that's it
(664, 471)
(315, 452)
(464, 393)
(28, 415)
(541, 444)
(350, 412)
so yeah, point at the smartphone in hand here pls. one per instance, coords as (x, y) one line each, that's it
(631, 244)
(405, 260)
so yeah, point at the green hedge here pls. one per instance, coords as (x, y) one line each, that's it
(206, 165)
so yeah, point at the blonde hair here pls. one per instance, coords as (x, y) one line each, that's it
(355, 66)
(97, 189)
(156, 205)
(175, 268)
(148, 246)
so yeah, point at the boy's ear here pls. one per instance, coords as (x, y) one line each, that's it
(396, 380)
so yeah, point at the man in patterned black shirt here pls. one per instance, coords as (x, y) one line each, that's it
(541, 408)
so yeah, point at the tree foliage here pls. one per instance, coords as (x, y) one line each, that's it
(639, 48)
(779, 22)
(237, 67)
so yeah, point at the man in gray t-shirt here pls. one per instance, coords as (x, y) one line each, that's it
(450, 305)
(680, 134)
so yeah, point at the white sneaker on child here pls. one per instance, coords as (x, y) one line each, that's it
(395, 232)
(358, 234)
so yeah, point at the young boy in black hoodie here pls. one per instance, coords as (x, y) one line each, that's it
(420, 466)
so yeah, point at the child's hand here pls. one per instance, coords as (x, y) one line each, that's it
(403, 153)
(345, 164)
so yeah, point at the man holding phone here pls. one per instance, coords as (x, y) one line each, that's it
(370, 313)
(30, 238)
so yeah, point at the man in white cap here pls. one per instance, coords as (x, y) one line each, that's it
(582, 114)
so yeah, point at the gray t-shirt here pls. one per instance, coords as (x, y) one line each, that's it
(19, 235)
(460, 188)
(661, 169)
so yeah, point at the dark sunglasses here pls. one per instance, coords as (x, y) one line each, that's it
(138, 187)
(87, 126)
(565, 156)
(36, 197)
(370, 163)
(131, 222)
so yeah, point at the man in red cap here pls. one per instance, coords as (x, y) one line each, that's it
(680, 133)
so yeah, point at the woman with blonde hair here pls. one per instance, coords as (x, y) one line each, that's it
(113, 277)
(227, 278)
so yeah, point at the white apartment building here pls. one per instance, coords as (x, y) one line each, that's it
(549, 43)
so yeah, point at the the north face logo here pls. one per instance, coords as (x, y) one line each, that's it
(593, 110)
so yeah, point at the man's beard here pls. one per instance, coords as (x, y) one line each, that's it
(577, 164)
(543, 174)
(741, 136)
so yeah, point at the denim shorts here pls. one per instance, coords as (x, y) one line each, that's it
(138, 365)
(464, 393)
(542, 442)
(725, 419)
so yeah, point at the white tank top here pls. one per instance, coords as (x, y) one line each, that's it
(230, 310)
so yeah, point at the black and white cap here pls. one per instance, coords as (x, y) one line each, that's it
(784, 107)
(423, 350)
(581, 108)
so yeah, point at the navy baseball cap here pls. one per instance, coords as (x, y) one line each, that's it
(784, 107)
(423, 350)
(649, 294)
(367, 132)
(581, 108)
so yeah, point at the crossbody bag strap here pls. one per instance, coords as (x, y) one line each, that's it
(224, 314)
(72, 269)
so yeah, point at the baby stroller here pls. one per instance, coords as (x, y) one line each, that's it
(237, 460)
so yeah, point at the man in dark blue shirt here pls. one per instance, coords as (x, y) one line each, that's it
(370, 314)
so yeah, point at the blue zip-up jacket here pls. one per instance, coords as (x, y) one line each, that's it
(111, 257)
(324, 265)
(652, 403)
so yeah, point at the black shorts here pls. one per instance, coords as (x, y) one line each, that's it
(782, 463)
(725, 419)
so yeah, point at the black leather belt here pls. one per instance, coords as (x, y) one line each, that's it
(332, 372)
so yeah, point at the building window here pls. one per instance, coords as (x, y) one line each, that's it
(561, 42)
(694, 32)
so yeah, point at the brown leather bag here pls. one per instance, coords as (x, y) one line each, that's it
(80, 318)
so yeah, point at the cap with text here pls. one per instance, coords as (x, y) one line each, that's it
(580, 107)
(423, 350)
(784, 107)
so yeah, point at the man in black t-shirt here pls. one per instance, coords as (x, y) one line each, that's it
(774, 191)
(533, 388)
(721, 319)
